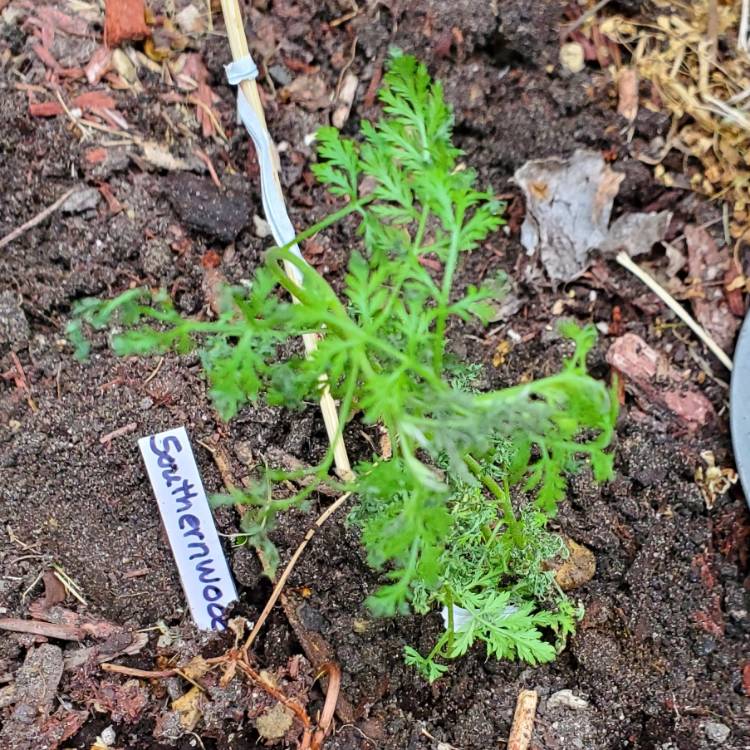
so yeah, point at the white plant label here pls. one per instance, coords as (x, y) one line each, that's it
(190, 526)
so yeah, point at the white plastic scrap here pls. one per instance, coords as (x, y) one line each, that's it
(462, 618)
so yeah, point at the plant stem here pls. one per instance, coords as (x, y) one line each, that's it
(445, 293)
(328, 220)
(419, 236)
(451, 628)
(509, 516)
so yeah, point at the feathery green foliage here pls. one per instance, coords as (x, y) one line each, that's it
(437, 517)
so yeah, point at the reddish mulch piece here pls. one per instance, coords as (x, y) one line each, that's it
(124, 20)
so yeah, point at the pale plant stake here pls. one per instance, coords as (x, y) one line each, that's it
(249, 90)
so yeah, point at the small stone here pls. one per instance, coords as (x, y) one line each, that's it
(275, 723)
(280, 74)
(108, 736)
(566, 699)
(717, 732)
(146, 403)
(14, 328)
(262, 227)
(82, 200)
(579, 568)
(572, 57)
(244, 452)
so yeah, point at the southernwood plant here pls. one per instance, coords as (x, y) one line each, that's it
(458, 516)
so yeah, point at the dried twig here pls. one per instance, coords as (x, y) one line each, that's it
(47, 629)
(571, 27)
(329, 511)
(625, 261)
(236, 659)
(329, 707)
(523, 720)
(124, 430)
(38, 219)
(71, 587)
(300, 712)
(155, 372)
(146, 674)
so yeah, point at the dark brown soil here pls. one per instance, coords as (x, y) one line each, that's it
(664, 642)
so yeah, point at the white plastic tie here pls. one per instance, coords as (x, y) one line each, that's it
(273, 202)
(241, 70)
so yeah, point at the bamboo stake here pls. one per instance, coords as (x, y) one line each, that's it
(249, 89)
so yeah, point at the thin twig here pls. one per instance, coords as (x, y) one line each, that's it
(47, 629)
(236, 657)
(625, 261)
(204, 157)
(75, 120)
(38, 219)
(211, 116)
(523, 720)
(279, 587)
(571, 27)
(71, 587)
(154, 373)
(124, 430)
(146, 674)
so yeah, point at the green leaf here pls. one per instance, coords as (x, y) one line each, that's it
(427, 667)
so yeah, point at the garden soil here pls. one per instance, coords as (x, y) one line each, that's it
(658, 659)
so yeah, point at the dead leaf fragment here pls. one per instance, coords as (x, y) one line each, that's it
(160, 157)
(344, 100)
(191, 20)
(187, 707)
(568, 207)
(636, 233)
(308, 90)
(713, 481)
(195, 668)
(54, 591)
(502, 350)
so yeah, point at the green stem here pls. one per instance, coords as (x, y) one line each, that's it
(419, 236)
(451, 628)
(349, 208)
(445, 293)
(513, 524)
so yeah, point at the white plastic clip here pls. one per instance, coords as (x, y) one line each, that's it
(241, 70)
